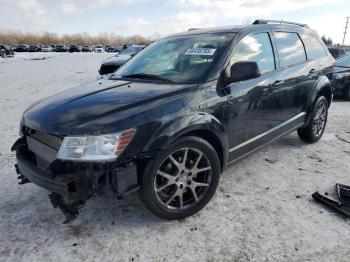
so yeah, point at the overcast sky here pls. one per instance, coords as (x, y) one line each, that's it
(162, 17)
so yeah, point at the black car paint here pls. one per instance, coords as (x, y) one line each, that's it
(223, 114)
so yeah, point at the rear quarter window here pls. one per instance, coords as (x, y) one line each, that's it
(290, 48)
(314, 48)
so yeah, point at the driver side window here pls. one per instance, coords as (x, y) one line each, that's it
(255, 48)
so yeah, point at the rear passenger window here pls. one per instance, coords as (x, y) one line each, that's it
(256, 48)
(314, 48)
(290, 48)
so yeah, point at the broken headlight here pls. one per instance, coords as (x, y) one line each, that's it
(95, 148)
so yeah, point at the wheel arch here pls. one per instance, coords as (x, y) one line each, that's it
(323, 87)
(202, 125)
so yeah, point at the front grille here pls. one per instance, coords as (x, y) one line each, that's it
(43, 151)
(47, 139)
(44, 146)
(108, 69)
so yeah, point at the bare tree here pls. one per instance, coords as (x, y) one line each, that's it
(47, 38)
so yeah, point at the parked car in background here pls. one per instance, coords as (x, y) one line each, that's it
(86, 48)
(110, 49)
(34, 48)
(171, 119)
(61, 48)
(74, 49)
(341, 77)
(21, 48)
(47, 48)
(99, 49)
(5, 51)
(12, 47)
(336, 51)
(112, 64)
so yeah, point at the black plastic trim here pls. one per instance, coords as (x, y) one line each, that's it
(38, 176)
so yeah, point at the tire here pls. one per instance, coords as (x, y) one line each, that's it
(314, 130)
(347, 93)
(191, 183)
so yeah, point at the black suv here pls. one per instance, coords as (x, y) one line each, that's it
(175, 115)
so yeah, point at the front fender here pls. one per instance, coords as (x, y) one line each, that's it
(180, 126)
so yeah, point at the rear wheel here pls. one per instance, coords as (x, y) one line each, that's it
(314, 130)
(181, 180)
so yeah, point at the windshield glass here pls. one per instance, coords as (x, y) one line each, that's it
(343, 61)
(183, 59)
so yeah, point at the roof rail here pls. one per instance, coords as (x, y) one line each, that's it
(261, 22)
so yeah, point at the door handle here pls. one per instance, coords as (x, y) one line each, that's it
(313, 70)
(278, 82)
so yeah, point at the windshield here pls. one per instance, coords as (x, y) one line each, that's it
(343, 61)
(183, 59)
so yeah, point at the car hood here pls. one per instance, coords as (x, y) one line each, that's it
(116, 60)
(73, 107)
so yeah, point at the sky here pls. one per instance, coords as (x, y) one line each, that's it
(154, 18)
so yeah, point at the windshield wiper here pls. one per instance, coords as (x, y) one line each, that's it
(147, 76)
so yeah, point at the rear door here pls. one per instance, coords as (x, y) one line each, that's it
(298, 73)
(319, 59)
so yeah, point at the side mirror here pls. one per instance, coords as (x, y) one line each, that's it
(244, 70)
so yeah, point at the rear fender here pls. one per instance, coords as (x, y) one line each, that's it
(323, 86)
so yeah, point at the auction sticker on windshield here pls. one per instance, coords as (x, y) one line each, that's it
(201, 51)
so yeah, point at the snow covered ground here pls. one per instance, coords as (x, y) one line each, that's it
(262, 210)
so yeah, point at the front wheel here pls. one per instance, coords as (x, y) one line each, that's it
(314, 130)
(182, 179)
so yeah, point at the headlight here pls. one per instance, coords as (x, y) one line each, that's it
(95, 148)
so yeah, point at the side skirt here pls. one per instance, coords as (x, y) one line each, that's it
(255, 143)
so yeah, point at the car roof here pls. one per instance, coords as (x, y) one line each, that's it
(245, 28)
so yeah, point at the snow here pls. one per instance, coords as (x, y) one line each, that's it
(262, 210)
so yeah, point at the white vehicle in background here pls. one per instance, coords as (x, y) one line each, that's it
(99, 49)
(46, 48)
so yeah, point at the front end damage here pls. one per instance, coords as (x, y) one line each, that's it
(70, 183)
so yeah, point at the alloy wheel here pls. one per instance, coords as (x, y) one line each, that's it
(320, 119)
(182, 179)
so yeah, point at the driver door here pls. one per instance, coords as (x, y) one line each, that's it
(252, 105)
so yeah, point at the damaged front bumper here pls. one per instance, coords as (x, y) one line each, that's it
(70, 183)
